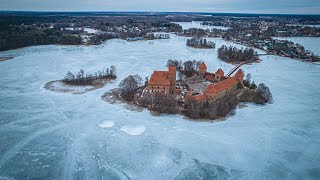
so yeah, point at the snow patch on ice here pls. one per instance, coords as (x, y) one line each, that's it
(106, 124)
(133, 129)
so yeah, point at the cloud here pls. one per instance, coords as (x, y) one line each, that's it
(244, 6)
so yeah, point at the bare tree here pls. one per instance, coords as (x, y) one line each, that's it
(129, 85)
(247, 81)
(264, 91)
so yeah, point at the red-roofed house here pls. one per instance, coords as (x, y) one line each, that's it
(163, 81)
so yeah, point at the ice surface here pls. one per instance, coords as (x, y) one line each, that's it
(47, 135)
(88, 30)
(197, 24)
(133, 129)
(106, 124)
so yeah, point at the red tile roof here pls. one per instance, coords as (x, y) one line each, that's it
(239, 73)
(159, 78)
(221, 86)
(220, 72)
(200, 97)
(203, 66)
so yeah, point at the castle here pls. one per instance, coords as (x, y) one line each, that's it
(164, 82)
(221, 84)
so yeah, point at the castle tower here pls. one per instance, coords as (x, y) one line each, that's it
(239, 75)
(172, 78)
(219, 74)
(202, 69)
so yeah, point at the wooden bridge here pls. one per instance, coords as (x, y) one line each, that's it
(239, 65)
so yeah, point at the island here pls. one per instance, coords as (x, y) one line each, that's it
(82, 82)
(232, 54)
(200, 43)
(197, 95)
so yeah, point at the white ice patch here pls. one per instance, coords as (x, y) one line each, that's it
(106, 124)
(133, 130)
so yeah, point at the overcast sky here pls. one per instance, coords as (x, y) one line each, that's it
(238, 6)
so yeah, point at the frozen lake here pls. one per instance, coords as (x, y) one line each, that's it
(88, 30)
(47, 135)
(197, 24)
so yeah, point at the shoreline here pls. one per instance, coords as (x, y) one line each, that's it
(2, 59)
(200, 47)
(268, 53)
(113, 96)
(59, 86)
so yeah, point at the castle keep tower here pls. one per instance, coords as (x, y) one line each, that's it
(219, 75)
(172, 78)
(202, 69)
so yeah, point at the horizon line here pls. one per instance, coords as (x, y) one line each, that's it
(149, 11)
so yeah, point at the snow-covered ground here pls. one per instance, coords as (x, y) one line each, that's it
(197, 24)
(49, 135)
(88, 30)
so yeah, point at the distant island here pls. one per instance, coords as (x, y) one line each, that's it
(82, 82)
(199, 94)
(200, 43)
(234, 55)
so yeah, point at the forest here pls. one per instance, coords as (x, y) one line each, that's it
(36, 29)
(233, 54)
(200, 43)
(187, 68)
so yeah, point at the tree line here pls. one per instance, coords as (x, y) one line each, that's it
(233, 54)
(29, 36)
(200, 42)
(187, 68)
(259, 94)
(82, 78)
(194, 32)
(211, 109)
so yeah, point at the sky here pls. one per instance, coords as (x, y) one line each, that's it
(228, 6)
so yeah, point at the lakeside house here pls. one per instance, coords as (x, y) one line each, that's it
(201, 87)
